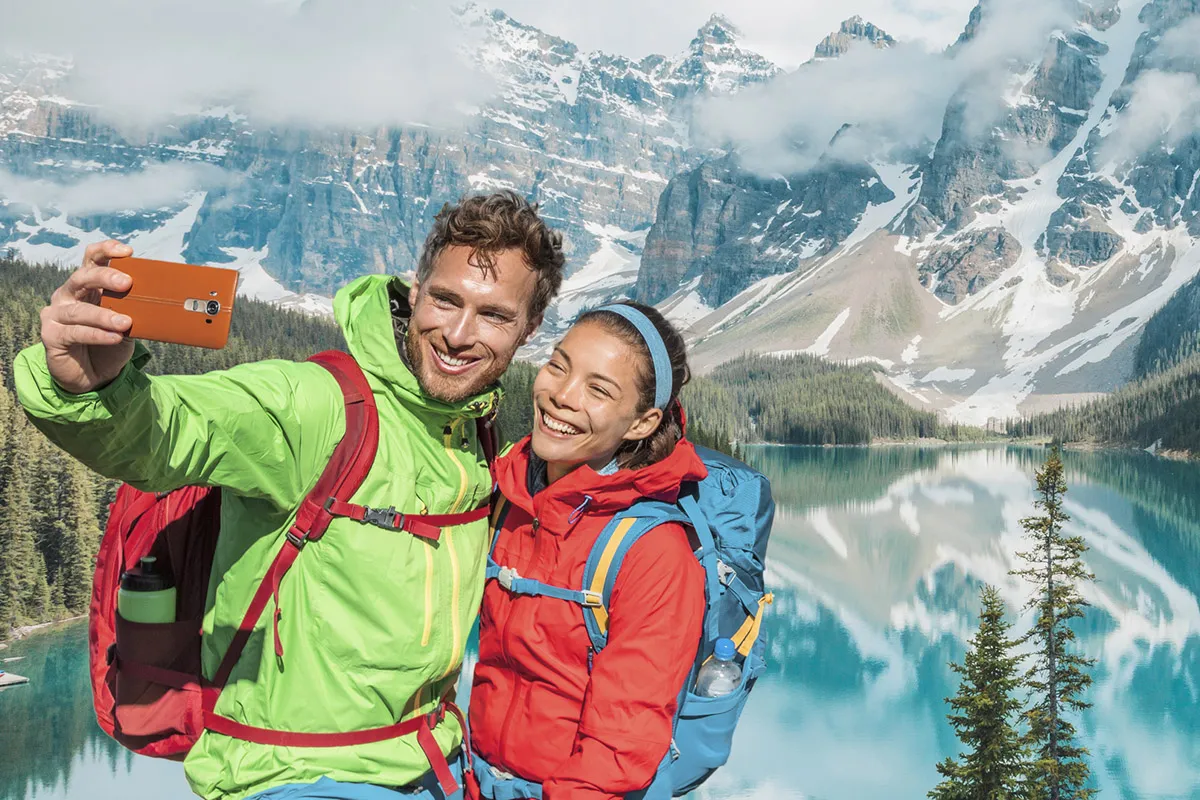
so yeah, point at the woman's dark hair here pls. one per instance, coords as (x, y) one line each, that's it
(658, 445)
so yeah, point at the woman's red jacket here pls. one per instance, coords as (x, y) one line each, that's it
(535, 710)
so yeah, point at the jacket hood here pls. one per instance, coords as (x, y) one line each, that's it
(364, 312)
(606, 494)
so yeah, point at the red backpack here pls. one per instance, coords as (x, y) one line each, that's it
(147, 685)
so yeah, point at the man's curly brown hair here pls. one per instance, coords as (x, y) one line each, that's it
(491, 224)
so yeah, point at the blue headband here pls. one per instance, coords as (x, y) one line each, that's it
(658, 350)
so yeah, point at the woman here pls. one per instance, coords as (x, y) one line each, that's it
(608, 431)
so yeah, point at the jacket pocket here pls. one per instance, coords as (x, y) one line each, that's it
(157, 691)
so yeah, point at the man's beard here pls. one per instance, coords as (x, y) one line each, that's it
(443, 387)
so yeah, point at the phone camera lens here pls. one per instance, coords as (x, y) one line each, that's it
(213, 308)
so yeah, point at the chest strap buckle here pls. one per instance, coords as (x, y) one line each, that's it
(507, 576)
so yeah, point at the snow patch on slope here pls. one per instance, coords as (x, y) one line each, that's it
(821, 346)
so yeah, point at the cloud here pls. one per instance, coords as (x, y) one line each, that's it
(1164, 107)
(896, 96)
(343, 63)
(1180, 41)
(156, 186)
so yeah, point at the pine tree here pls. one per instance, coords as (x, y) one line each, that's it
(81, 539)
(984, 715)
(1058, 676)
(23, 587)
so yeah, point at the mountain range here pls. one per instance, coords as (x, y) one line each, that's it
(993, 225)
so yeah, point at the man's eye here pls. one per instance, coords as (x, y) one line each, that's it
(600, 390)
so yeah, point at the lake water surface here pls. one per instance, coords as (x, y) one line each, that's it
(876, 562)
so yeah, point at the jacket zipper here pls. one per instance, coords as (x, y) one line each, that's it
(522, 686)
(515, 699)
(456, 579)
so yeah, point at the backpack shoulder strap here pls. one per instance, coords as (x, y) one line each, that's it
(499, 512)
(513, 582)
(608, 553)
(707, 554)
(347, 467)
(489, 439)
(354, 454)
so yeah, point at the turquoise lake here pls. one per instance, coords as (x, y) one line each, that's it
(876, 562)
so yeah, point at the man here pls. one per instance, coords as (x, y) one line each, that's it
(374, 621)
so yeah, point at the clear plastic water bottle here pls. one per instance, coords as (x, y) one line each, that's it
(720, 675)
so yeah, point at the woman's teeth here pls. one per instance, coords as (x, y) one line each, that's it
(558, 427)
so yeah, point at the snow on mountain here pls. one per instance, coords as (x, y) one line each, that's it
(593, 138)
(1009, 270)
(1004, 265)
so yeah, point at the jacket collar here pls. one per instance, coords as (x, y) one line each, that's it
(586, 491)
(363, 309)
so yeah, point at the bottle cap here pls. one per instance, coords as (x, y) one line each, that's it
(724, 650)
(145, 577)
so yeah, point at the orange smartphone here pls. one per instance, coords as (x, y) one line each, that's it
(179, 303)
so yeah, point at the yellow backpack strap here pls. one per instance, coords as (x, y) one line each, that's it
(747, 634)
(497, 521)
(498, 516)
(597, 620)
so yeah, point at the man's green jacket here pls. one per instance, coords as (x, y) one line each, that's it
(374, 621)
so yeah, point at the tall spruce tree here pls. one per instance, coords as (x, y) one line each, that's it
(984, 715)
(22, 568)
(1058, 676)
(81, 538)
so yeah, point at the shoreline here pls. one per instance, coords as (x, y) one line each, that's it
(1167, 454)
(23, 631)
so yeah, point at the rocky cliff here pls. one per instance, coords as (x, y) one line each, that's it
(593, 138)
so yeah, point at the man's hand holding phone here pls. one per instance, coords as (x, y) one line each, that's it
(86, 346)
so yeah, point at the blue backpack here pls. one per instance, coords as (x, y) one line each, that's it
(730, 511)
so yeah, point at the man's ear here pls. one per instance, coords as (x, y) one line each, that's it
(644, 425)
(413, 291)
(533, 326)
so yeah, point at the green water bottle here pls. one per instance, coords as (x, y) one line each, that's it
(146, 594)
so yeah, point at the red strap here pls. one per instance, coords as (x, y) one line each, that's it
(153, 674)
(441, 769)
(275, 581)
(281, 564)
(354, 454)
(249, 733)
(349, 464)
(426, 526)
(466, 733)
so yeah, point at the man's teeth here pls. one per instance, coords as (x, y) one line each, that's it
(560, 427)
(451, 360)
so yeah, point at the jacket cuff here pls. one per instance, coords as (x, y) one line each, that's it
(42, 397)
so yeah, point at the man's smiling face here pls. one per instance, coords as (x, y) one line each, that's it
(468, 321)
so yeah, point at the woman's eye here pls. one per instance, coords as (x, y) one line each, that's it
(600, 390)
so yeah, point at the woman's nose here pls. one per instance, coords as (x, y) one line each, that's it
(565, 395)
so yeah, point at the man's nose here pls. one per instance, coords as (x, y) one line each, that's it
(460, 331)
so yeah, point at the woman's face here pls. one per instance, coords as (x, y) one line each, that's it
(585, 400)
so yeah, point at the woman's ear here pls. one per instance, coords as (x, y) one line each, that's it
(644, 425)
